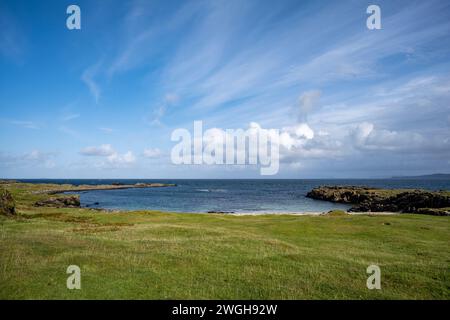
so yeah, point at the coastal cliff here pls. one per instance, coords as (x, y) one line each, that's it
(367, 199)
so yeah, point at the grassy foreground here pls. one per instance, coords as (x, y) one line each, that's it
(157, 255)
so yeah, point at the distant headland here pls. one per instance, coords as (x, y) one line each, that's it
(434, 176)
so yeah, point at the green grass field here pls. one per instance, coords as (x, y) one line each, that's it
(155, 255)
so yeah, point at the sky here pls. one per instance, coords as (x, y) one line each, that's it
(103, 101)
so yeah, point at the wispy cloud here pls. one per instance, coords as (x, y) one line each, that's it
(12, 38)
(71, 116)
(342, 96)
(106, 130)
(88, 78)
(155, 119)
(26, 124)
(71, 132)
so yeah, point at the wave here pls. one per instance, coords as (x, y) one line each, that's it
(212, 190)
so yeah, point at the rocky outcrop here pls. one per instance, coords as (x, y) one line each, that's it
(7, 204)
(367, 199)
(341, 194)
(71, 201)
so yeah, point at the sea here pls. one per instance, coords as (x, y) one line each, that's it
(228, 196)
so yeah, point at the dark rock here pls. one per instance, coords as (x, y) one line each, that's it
(212, 211)
(376, 200)
(434, 211)
(72, 201)
(7, 204)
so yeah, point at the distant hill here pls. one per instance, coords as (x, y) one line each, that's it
(435, 176)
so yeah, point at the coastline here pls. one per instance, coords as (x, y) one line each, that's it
(180, 252)
(357, 199)
(82, 188)
(317, 213)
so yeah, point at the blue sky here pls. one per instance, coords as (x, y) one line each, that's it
(101, 102)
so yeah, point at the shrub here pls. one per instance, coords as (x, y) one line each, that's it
(7, 205)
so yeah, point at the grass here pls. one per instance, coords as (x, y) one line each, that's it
(156, 255)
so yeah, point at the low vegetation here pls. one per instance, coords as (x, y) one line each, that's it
(7, 205)
(156, 255)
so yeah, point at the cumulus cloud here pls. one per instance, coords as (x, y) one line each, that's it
(35, 158)
(152, 153)
(121, 159)
(101, 151)
(112, 157)
(361, 132)
(365, 137)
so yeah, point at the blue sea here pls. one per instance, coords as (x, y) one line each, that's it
(238, 196)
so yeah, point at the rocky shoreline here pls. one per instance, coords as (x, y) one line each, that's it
(366, 199)
(73, 201)
(113, 186)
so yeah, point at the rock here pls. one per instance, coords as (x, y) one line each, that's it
(7, 204)
(408, 201)
(434, 211)
(376, 200)
(335, 213)
(220, 212)
(8, 181)
(72, 201)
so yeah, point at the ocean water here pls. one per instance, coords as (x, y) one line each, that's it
(238, 196)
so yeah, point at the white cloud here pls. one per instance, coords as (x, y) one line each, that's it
(106, 130)
(35, 155)
(113, 159)
(125, 159)
(70, 116)
(158, 113)
(88, 78)
(308, 101)
(25, 124)
(34, 158)
(102, 151)
(69, 131)
(366, 137)
(152, 153)
(360, 133)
